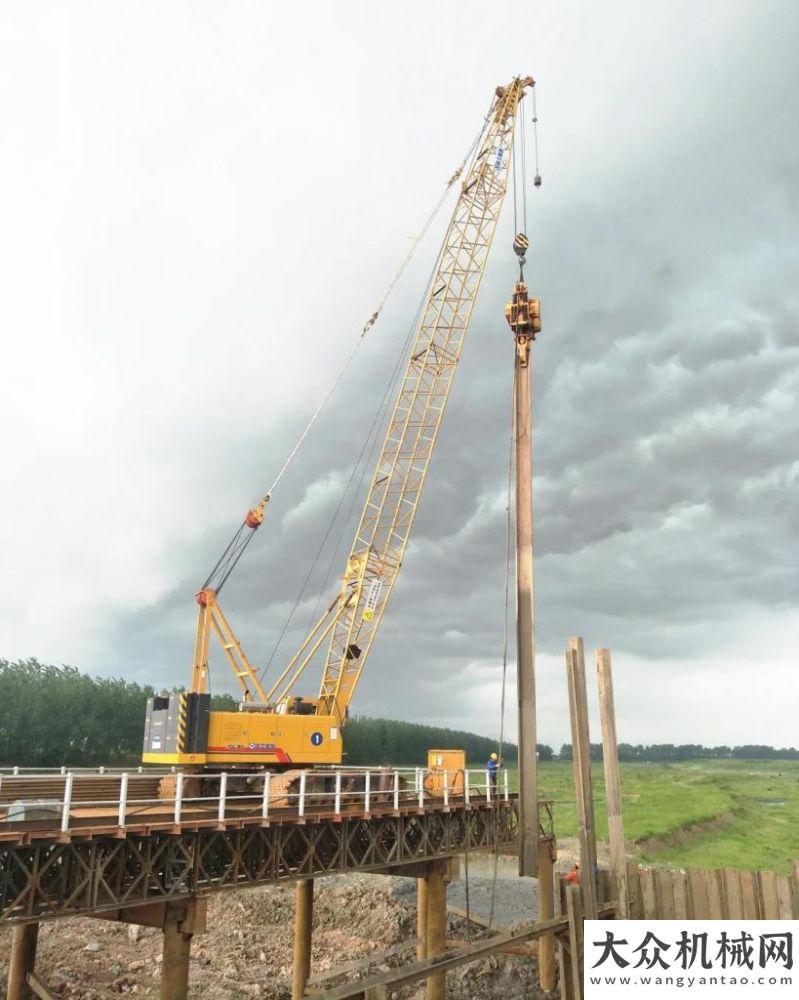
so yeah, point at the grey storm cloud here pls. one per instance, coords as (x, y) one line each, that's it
(666, 433)
(666, 425)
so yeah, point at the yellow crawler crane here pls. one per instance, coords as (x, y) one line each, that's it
(278, 728)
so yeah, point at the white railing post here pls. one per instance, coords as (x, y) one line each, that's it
(337, 797)
(505, 783)
(421, 790)
(102, 770)
(178, 796)
(265, 800)
(123, 798)
(488, 786)
(367, 791)
(16, 772)
(416, 780)
(396, 791)
(67, 801)
(303, 775)
(446, 788)
(222, 796)
(140, 769)
(466, 787)
(63, 769)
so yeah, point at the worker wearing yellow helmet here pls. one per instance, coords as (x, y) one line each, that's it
(493, 766)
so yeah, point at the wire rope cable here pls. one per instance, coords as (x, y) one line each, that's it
(238, 544)
(370, 442)
(328, 531)
(523, 144)
(466, 879)
(376, 421)
(373, 318)
(390, 387)
(372, 436)
(513, 186)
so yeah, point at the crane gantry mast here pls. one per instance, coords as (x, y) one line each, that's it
(350, 622)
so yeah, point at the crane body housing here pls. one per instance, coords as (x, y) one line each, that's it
(180, 729)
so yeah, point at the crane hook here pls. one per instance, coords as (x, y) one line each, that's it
(520, 246)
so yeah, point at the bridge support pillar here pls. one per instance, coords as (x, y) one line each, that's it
(436, 893)
(421, 919)
(22, 960)
(180, 922)
(303, 923)
(546, 911)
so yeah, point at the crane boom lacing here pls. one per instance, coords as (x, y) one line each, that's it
(397, 483)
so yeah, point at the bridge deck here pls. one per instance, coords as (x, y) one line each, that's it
(98, 821)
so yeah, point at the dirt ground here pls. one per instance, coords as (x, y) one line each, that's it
(248, 953)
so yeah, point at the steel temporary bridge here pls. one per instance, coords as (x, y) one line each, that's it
(85, 842)
(147, 847)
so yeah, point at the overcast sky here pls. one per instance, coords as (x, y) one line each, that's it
(202, 203)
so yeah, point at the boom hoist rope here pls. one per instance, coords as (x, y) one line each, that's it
(362, 462)
(244, 534)
(371, 442)
(379, 414)
(376, 421)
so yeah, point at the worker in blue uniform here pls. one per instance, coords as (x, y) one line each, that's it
(492, 767)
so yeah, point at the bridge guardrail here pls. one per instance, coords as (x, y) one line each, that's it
(226, 794)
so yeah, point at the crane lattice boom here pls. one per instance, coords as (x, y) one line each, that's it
(396, 487)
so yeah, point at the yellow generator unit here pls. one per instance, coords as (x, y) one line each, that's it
(445, 765)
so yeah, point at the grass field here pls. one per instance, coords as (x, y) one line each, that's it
(700, 814)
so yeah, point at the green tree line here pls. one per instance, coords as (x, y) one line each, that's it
(387, 741)
(51, 716)
(676, 752)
